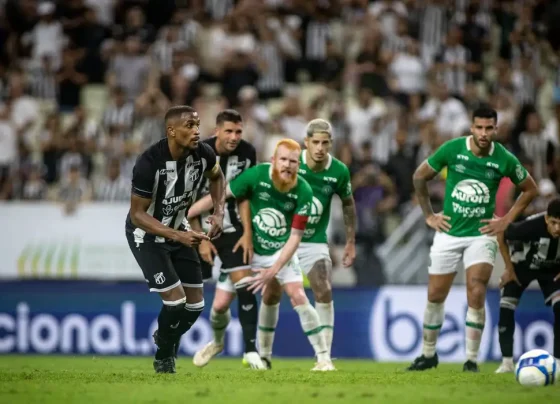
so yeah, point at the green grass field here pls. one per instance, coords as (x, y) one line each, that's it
(107, 380)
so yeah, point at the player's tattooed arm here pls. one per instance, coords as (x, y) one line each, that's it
(349, 215)
(422, 175)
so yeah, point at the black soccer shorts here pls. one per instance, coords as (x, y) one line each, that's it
(231, 261)
(548, 286)
(167, 265)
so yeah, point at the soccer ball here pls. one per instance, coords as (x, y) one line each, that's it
(536, 368)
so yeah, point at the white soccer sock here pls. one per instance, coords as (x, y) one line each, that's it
(311, 325)
(268, 319)
(433, 320)
(473, 332)
(326, 318)
(219, 323)
(508, 361)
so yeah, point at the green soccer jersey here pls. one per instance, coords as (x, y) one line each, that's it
(334, 179)
(272, 211)
(472, 182)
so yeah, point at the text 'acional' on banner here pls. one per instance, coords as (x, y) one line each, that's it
(40, 241)
(381, 324)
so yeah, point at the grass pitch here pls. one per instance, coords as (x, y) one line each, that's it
(107, 380)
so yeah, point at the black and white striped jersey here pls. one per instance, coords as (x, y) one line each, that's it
(171, 185)
(532, 247)
(233, 164)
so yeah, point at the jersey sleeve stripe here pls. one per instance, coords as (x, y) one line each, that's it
(141, 192)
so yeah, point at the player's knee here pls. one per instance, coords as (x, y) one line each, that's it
(437, 295)
(323, 292)
(175, 305)
(476, 295)
(173, 295)
(243, 293)
(194, 295)
(297, 295)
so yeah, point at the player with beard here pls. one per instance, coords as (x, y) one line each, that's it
(466, 229)
(234, 248)
(326, 176)
(280, 202)
(165, 180)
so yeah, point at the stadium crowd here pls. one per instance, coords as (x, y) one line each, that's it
(84, 85)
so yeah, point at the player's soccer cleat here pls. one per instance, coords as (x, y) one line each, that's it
(267, 363)
(252, 360)
(424, 363)
(166, 365)
(507, 366)
(324, 366)
(471, 366)
(202, 357)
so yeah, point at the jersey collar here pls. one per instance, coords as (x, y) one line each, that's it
(304, 159)
(469, 145)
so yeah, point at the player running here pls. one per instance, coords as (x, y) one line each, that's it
(466, 230)
(165, 180)
(534, 256)
(279, 198)
(327, 176)
(234, 247)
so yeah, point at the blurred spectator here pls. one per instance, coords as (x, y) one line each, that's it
(73, 190)
(8, 154)
(34, 186)
(113, 187)
(130, 69)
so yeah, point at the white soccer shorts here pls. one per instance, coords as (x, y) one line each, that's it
(290, 273)
(309, 253)
(448, 253)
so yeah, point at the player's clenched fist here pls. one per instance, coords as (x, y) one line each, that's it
(191, 238)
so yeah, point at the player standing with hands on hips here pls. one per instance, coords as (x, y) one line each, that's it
(466, 229)
(165, 181)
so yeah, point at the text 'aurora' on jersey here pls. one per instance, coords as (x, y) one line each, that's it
(472, 182)
(334, 179)
(272, 211)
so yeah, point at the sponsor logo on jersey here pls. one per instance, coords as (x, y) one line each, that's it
(164, 171)
(271, 221)
(316, 211)
(470, 192)
(330, 179)
(289, 206)
(302, 171)
(175, 203)
(264, 196)
(493, 165)
(327, 190)
(460, 168)
(264, 184)
(462, 157)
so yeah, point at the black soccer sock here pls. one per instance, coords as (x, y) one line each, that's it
(506, 328)
(169, 320)
(556, 309)
(190, 315)
(248, 315)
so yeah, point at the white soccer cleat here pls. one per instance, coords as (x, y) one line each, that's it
(324, 366)
(253, 361)
(202, 357)
(506, 367)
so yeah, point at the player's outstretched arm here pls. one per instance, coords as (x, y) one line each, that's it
(204, 204)
(349, 215)
(246, 240)
(509, 272)
(217, 189)
(141, 219)
(266, 275)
